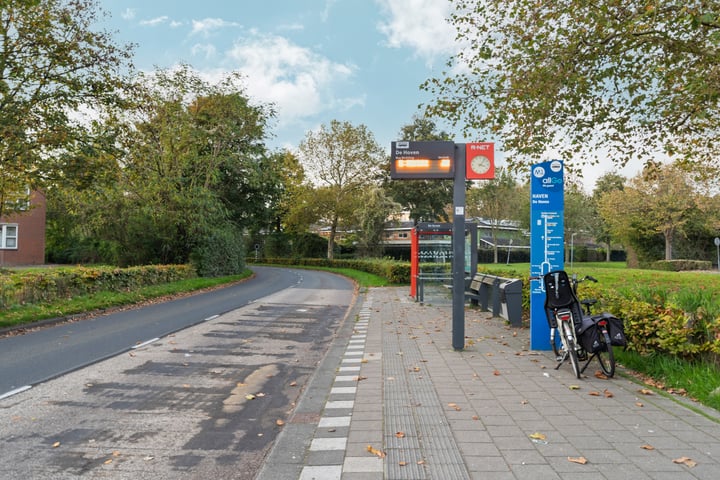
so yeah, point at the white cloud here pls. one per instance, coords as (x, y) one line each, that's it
(128, 14)
(207, 25)
(155, 21)
(420, 25)
(296, 80)
(205, 50)
(325, 14)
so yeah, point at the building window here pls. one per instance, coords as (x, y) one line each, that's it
(8, 236)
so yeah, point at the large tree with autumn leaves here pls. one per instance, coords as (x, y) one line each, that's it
(597, 81)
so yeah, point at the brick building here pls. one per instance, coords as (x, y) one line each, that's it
(22, 235)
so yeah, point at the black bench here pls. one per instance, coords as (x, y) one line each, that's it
(503, 294)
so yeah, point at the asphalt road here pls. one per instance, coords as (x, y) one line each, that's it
(40, 355)
(194, 402)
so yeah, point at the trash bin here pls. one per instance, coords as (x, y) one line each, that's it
(511, 301)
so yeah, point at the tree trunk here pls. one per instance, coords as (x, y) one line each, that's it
(607, 253)
(668, 234)
(331, 239)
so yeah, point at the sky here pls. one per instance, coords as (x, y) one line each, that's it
(360, 61)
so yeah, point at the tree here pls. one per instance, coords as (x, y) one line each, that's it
(660, 200)
(425, 199)
(52, 65)
(599, 228)
(342, 160)
(372, 216)
(630, 78)
(191, 174)
(578, 212)
(495, 200)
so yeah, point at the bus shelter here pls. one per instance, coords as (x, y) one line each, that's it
(431, 255)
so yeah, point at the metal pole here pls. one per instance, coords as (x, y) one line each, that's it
(572, 249)
(458, 239)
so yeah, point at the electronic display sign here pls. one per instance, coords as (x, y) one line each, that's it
(422, 160)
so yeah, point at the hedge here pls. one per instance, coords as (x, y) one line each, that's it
(47, 285)
(394, 271)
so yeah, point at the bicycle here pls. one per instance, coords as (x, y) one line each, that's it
(580, 333)
(598, 343)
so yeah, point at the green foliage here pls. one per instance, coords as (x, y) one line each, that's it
(189, 165)
(661, 214)
(698, 378)
(48, 285)
(573, 75)
(393, 271)
(664, 313)
(343, 160)
(52, 62)
(221, 252)
(90, 302)
(681, 265)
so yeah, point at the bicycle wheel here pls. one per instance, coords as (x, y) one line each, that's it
(571, 348)
(606, 357)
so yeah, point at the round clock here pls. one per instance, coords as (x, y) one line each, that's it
(480, 164)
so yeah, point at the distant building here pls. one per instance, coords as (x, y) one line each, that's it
(22, 234)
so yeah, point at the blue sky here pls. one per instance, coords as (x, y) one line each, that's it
(360, 61)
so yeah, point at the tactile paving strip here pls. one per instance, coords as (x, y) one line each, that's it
(428, 449)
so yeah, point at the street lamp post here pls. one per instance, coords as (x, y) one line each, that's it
(572, 249)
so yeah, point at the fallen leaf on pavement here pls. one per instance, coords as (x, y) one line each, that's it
(599, 374)
(646, 391)
(400, 434)
(647, 447)
(574, 387)
(537, 436)
(56, 444)
(687, 461)
(608, 394)
(580, 460)
(375, 451)
(594, 393)
(279, 422)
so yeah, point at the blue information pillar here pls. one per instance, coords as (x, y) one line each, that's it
(547, 208)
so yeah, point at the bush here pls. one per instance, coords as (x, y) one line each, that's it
(681, 265)
(221, 252)
(40, 286)
(392, 270)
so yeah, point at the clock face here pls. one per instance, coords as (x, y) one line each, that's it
(480, 164)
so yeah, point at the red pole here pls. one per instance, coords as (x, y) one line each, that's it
(414, 262)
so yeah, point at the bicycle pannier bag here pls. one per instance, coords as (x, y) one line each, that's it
(589, 334)
(616, 329)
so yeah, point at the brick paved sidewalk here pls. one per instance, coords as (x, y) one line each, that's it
(394, 400)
